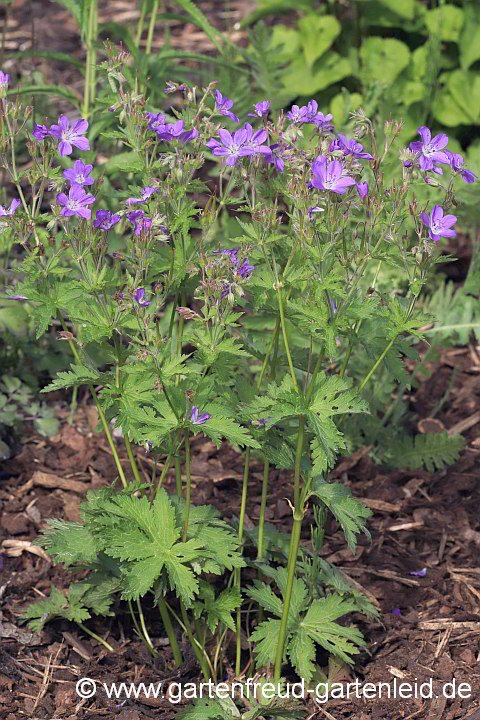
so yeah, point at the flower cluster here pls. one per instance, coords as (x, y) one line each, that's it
(240, 269)
(431, 152)
(169, 131)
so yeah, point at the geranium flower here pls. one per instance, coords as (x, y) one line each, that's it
(328, 175)
(261, 109)
(362, 189)
(175, 131)
(231, 147)
(312, 211)
(75, 203)
(456, 163)
(256, 140)
(430, 149)
(349, 147)
(439, 224)
(199, 419)
(4, 80)
(141, 223)
(147, 192)
(139, 296)
(155, 121)
(223, 105)
(69, 136)
(105, 219)
(40, 132)
(79, 174)
(275, 157)
(11, 210)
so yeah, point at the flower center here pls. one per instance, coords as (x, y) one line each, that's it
(80, 178)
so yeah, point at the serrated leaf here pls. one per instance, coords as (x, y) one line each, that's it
(224, 428)
(349, 511)
(79, 375)
(432, 451)
(68, 542)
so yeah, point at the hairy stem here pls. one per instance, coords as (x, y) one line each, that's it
(238, 572)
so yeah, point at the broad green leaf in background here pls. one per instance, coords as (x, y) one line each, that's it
(288, 39)
(126, 161)
(342, 104)
(317, 34)
(404, 8)
(459, 102)
(14, 318)
(330, 68)
(469, 44)
(445, 22)
(383, 60)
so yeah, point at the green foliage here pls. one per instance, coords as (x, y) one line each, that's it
(309, 624)
(433, 451)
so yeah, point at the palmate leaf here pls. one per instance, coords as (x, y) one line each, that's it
(349, 511)
(79, 375)
(217, 608)
(220, 427)
(265, 636)
(319, 625)
(146, 536)
(68, 542)
(57, 605)
(332, 396)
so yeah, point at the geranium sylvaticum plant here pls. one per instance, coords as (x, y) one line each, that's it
(250, 339)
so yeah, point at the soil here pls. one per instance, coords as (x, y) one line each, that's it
(428, 630)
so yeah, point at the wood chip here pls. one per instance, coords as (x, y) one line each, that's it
(447, 623)
(48, 480)
(466, 424)
(15, 548)
(381, 505)
(406, 526)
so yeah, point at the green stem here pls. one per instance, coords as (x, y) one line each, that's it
(298, 514)
(151, 27)
(238, 572)
(292, 560)
(167, 624)
(285, 339)
(141, 21)
(145, 634)
(131, 457)
(367, 377)
(102, 417)
(188, 495)
(96, 637)
(73, 405)
(164, 472)
(263, 506)
(195, 645)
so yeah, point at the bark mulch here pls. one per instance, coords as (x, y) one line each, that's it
(421, 519)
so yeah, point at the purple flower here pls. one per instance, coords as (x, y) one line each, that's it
(231, 147)
(396, 611)
(419, 573)
(312, 211)
(256, 140)
(4, 80)
(105, 219)
(439, 224)
(70, 136)
(362, 189)
(223, 105)
(79, 174)
(349, 147)
(275, 157)
(139, 296)
(137, 217)
(232, 254)
(199, 419)
(245, 269)
(146, 194)
(299, 114)
(155, 121)
(262, 421)
(430, 149)
(40, 132)
(17, 297)
(328, 175)
(456, 163)
(75, 203)
(11, 210)
(261, 109)
(175, 131)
